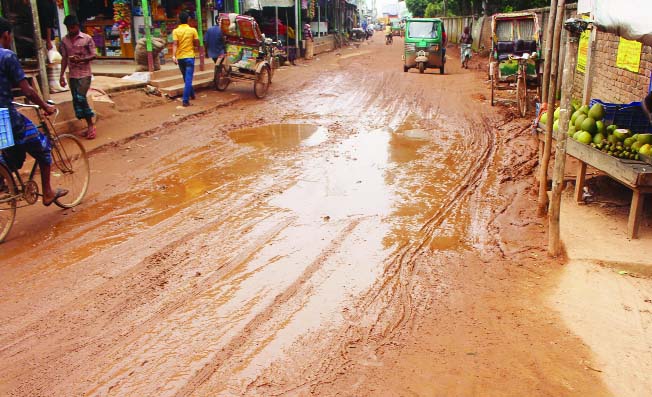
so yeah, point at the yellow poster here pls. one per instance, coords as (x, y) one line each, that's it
(629, 55)
(583, 50)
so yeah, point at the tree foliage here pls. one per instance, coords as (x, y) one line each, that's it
(421, 8)
(417, 7)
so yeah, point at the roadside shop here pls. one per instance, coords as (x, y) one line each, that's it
(601, 121)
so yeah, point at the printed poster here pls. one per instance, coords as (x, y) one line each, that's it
(583, 51)
(629, 55)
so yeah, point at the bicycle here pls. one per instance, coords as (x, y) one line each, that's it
(70, 171)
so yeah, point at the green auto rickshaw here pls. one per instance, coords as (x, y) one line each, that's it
(424, 44)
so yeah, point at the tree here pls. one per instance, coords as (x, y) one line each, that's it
(417, 7)
(435, 9)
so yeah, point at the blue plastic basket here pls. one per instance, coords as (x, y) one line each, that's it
(6, 134)
(625, 115)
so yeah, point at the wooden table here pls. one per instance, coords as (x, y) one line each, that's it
(636, 175)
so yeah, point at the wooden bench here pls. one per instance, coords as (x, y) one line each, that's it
(636, 175)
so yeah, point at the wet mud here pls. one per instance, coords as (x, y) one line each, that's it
(361, 231)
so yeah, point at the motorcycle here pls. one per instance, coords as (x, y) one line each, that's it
(370, 31)
(465, 55)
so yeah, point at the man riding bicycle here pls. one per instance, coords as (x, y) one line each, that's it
(388, 32)
(27, 138)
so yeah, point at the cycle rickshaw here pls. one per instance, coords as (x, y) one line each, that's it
(515, 56)
(248, 55)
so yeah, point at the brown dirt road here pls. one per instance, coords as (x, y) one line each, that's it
(391, 249)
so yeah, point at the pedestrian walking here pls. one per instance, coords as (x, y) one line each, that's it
(185, 40)
(309, 41)
(77, 52)
(215, 40)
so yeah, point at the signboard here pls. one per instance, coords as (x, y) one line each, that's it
(583, 50)
(629, 55)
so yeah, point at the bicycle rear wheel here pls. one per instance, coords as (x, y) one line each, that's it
(7, 202)
(521, 89)
(71, 170)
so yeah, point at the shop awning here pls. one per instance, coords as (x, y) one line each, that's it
(259, 4)
(631, 19)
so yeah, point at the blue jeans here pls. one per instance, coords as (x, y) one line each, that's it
(187, 67)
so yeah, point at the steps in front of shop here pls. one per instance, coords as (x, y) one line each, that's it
(170, 82)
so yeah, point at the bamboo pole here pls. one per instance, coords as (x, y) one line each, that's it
(148, 35)
(200, 31)
(570, 63)
(40, 52)
(548, 51)
(588, 70)
(550, 102)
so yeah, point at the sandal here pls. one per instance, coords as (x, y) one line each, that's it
(91, 134)
(58, 194)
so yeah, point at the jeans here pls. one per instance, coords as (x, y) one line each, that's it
(187, 68)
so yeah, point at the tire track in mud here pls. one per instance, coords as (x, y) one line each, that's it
(389, 306)
(240, 341)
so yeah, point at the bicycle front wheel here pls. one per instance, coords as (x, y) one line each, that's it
(71, 170)
(521, 89)
(7, 202)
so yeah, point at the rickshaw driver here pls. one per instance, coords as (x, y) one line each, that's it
(27, 138)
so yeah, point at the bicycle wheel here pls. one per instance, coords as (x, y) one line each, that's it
(261, 85)
(521, 90)
(222, 79)
(7, 202)
(71, 170)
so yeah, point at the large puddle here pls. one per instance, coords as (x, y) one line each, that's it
(280, 136)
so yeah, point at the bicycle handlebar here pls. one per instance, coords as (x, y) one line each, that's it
(37, 107)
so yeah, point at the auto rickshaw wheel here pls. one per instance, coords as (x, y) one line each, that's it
(261, 85)
(221, 78)
(441, 69)
(405, 69)
(493, 88)
(422, 67)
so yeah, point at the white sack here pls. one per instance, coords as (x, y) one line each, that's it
(631, 19)
(54, 56)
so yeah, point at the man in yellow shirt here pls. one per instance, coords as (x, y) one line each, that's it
(185, 40)
(388, 33)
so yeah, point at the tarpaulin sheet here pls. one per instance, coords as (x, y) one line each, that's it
(259, 4)
(631, 19)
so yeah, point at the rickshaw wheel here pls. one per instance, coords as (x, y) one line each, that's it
(422, 67)
(221, 78)
(521, 89)
(261, 85)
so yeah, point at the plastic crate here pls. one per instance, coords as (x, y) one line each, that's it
(629, 115)
(6, 134)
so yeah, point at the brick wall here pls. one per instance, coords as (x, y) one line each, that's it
(612, 84)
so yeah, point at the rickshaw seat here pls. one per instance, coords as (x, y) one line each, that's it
(525, 46)
(505, 47)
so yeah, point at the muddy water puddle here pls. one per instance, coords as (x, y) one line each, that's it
(280, 136)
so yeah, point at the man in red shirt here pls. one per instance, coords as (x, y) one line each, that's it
(77, 51)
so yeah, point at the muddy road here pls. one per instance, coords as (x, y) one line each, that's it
(376, 237)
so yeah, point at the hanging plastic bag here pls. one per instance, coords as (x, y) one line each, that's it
(54, 56)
